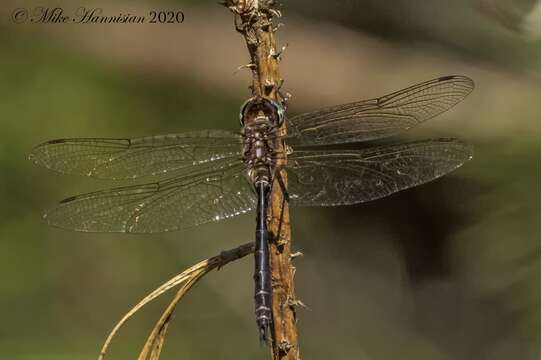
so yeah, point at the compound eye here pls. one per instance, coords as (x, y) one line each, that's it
(243, 110)
(280, 112)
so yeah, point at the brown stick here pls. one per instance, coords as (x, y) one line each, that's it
(254, 20)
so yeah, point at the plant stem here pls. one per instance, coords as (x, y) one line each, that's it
(254, 20)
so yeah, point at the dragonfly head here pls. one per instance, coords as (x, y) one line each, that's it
(259, 109)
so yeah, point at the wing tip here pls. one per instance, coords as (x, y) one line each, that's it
(49, 219)
(39, 153)
(465, 80)
(37, 159)
(467, 148)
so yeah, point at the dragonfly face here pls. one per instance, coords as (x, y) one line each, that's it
(261, 120)
(261, 109)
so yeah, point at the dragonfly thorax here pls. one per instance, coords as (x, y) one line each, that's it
(258, 152)
(261, 119)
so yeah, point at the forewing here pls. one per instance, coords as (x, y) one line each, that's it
(220, 191)
(378, 118)
(329, 178)
(132, 158)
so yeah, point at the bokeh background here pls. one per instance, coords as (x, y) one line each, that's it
(449, 270)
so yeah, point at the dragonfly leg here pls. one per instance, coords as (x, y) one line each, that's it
(282, 184)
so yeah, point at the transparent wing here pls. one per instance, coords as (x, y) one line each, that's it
(220, 191)
(131, 158)
(329, 178)
(378, 118)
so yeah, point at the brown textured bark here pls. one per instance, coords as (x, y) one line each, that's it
(254, 20)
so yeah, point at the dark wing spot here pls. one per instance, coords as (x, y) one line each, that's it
(67, 200)
(57, 141)
(445, 78)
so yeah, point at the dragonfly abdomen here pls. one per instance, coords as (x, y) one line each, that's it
(262, 274)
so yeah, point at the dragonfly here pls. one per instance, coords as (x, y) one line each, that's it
(211, 175)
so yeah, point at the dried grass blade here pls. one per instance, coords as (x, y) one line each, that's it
(189, 277)
(154, 343)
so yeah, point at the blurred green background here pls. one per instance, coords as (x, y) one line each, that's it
(449, 270)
